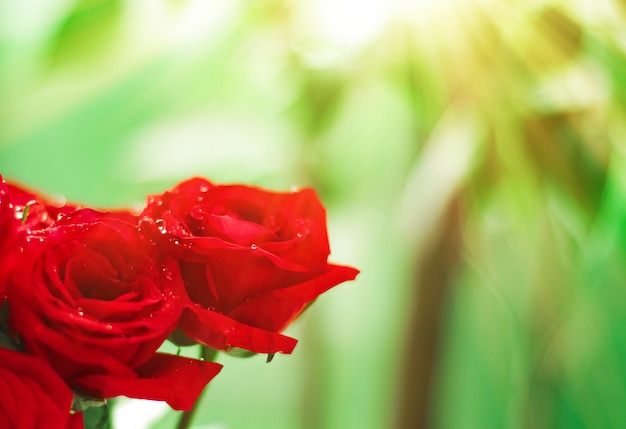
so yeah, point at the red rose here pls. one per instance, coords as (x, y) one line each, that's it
(41, 211)
(33, 395)
(85, 295)
(7, 218)
(34, 210)
(251, 260)
(8, 230)
(20, 211)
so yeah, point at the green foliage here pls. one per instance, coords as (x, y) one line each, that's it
(85, 31)
(98, 417)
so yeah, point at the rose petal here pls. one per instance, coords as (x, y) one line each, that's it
(222, 332)
(276, 309)
(33, 395)
(175, 379)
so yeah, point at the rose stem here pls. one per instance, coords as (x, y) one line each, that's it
(208, 354)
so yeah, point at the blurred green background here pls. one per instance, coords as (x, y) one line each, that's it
(471, 154)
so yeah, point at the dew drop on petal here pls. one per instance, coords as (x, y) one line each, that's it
(167, 273)
(161, 226)
(253, 246)
(156, 200)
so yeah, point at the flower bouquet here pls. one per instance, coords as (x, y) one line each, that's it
(89, 296)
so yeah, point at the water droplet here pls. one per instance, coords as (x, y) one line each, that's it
(166, 273)
(108, 327)
(161, 226)
(204, 188)
(253, 246)
(156, 200)
(228, 348)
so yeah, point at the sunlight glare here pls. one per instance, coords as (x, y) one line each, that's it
(424, 10)
(329, 31)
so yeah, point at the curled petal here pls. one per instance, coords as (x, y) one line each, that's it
(287, 303)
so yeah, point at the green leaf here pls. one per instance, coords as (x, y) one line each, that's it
(98, 417)
(86, 32)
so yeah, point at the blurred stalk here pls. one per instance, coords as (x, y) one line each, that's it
(436, 268)
(313, 398)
